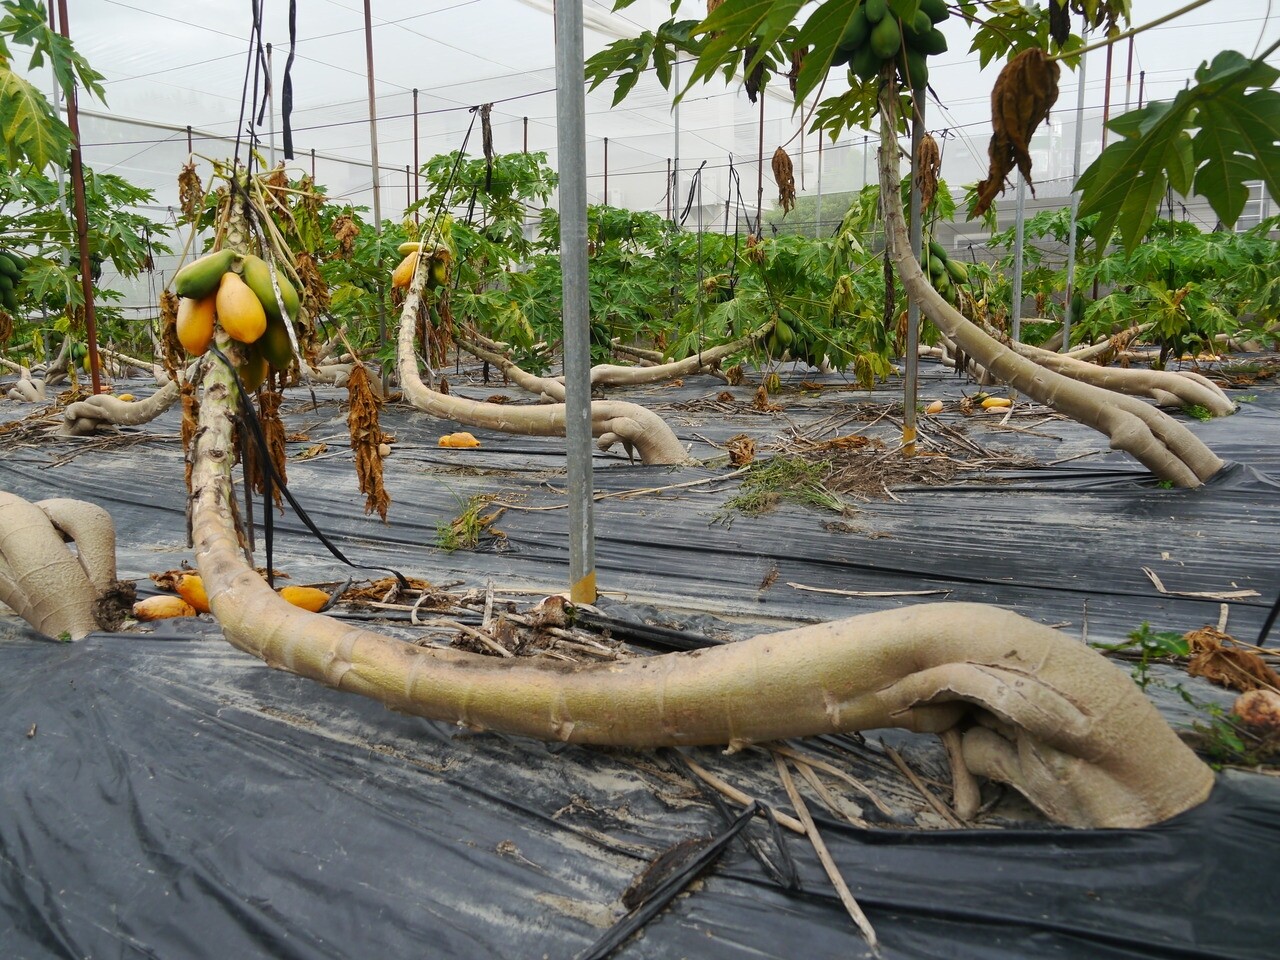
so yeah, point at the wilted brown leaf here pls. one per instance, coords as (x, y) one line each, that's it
(1020, 101)
(1215, 656)
(366, 435)
(784, 176)
(928, 166)
(742, 450)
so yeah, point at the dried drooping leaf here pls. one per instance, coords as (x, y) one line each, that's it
(1059, 21)
(172, 354)
(345, 232)
(315, 292)
(713, 6)
(928, 166)
(486, 140)
(755, 79)
(797, 63)
(742, 449)
(734, 375)
(190, 192)
(784, 176)
(190, 418)
(6, 326)
(277, 180)
(1024, 93)
(366, 436)
(763, 404)
(1215, 656)
(273, 432)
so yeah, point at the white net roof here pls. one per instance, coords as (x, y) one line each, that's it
(173, 66)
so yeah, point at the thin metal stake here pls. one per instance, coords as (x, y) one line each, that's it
(911, 361)
(1075, 205)
(377, 193)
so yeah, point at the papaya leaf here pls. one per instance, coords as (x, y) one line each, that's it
(32, 133)
(1236, 139)
(737, 24)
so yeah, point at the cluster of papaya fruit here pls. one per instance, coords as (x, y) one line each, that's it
(437, 267)
(944, 273)
(876, 36)
(11, 269)
(789, 340)
(235, 291)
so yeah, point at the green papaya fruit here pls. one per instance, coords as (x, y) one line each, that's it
(200, 278)
(886, 38)
(257, 274)
(275, 344)
(784, 331)
(937, 268)
(855, 34)
(935, 10)
(6, 283)
(938, 251)
(876, 10)
(932, 43)
(914, 69)
(8, 266)
(959, 272)
(1077, 306)
(919, 25)
(864, 64)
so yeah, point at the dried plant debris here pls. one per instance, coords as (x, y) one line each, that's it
(1217, 657)
(190, 192)
(1020, 101)
(345, 232)
(742, 449)
(784, 176)
(190, 420)
(366, 437)
(928, 167)
(269, 402)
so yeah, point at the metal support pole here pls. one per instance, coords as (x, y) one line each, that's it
(668, 188)
(910, 362)
(571, 144)
(1128, 77)
(864, 159)
(313, 164)
(417, 164)
(817, 214)
(1106, 97)
(190, 148)
(1142, 82)
(271, 113)
(1019, 238)
(526, 134)
(1075, 206)
(760, 173)
(408, 187)
(673, 202)
(606, 171)
(377, 192)
(82, 220)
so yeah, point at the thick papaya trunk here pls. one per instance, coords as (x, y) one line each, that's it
(1052, 717)
(54, 590)
(85, 416)
(612, 421)
(1163, 445)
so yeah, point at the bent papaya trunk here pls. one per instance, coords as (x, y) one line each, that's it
(1163, 445)
(1043, 713)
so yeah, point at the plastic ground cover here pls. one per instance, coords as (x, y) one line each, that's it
(164, 795)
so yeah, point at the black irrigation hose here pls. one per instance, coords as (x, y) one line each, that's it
(643, 634)
(270, 475)
(667, 890)
(1268, 623)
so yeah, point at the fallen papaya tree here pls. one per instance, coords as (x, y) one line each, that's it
(612, 421)
(1032, 708)
(1166, 447)
(60, 593)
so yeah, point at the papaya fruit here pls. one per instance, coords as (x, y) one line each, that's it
(938, 250)
(408, 247)
(195, 324)
(402, 275)
(6, 283)
(855, 35)
(256, 273)
(191, 589)
(876, 10)
(460, 439)
(8, 266)
(914, 69)
(308, 598)
(935, 10)
(864, 64)
(937, 267)
(959, 272)
(932, 43)
(786, 336)
(918, 26)
(886, 38)
(240, 312)
(439, 271)
(201, 277)
(253, 369)
(275, 345)
(162, 607)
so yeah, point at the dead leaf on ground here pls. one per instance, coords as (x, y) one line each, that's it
(1215, 656)
(742, 450)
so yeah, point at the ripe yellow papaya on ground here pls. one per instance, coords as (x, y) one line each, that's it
(162, 607)
(403, 274)
(935, 407)
(995, 403)
(308, 598)
(239, 310)
(461, 439)
(191, 589)
(200, 278)
(256, 273)
(195, 323)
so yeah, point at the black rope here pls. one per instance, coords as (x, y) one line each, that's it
(286, 88)
(1268, 623)
(269, 471)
